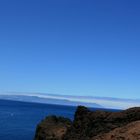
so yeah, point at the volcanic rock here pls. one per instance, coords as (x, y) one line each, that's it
(128, 132)
(52, 128)
(92, 125)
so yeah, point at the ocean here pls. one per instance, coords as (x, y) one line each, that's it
(18, 120)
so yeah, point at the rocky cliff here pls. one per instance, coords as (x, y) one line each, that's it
(92, 125)
(52, 128)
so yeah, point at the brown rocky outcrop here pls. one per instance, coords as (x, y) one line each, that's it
(52, 128)
(92, 125)
(128, 132)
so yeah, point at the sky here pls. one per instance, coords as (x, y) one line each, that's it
(71, 47)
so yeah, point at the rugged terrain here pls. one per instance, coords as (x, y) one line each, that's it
(52, 128)
(92, 125)
(128, 132)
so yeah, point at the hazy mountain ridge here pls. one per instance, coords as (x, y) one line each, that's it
(90, 101)
(36, 99)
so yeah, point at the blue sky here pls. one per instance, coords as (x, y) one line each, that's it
(72, 47)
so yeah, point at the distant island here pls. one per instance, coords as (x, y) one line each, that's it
(48, 100)
(89, 101)
(92, 125)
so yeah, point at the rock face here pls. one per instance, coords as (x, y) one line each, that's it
(128, 132)
(52, 128)
(92, 125)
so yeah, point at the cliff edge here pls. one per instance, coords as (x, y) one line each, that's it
(92, 125)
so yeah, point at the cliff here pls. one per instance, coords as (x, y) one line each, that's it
(52, 128)
(92, 125)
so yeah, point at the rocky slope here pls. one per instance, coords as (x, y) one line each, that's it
(92, 125)
(128, 132)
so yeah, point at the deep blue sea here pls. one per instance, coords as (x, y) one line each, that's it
(18, 120)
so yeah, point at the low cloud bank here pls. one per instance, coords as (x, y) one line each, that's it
(106, 102)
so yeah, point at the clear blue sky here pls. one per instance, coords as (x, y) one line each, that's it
(77, 47)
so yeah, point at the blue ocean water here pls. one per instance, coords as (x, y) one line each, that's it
(18, 120)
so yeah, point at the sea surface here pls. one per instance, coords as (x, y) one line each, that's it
(18, 120)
